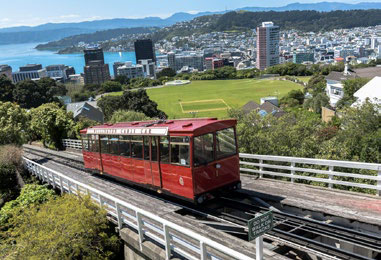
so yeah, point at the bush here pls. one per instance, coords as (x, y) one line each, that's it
(67, 227)
(127, 116)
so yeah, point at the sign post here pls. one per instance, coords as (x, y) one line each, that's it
(258, 226)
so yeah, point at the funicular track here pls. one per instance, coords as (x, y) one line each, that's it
(230, 214)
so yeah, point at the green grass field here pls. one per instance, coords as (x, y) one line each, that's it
(305, 79)
(214, 97)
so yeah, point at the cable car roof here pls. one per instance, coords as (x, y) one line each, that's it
(195, 126)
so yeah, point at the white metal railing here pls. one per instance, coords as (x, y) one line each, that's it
(264, 163)
(72, 143)
(291, 166)
(172, 237)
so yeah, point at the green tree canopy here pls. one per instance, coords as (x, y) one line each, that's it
(137, 101)
(66, 227)
(6, 89)
(111, 86)
(51, 123)
(14, 123)
(127, 116)
(166, 72)
(350, 87)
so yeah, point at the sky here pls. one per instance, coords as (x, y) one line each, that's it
(35, 12)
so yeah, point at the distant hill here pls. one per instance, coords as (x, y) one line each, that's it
(94, 37)
(56, 31)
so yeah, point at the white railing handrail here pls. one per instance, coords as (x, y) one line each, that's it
(323, 162)
(203, 241)
(331, 164)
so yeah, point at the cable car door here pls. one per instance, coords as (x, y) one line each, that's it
(152, 167)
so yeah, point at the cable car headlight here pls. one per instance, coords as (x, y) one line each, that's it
(218, 166)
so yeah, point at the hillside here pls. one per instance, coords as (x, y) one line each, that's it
(55, 31)
(94, 37)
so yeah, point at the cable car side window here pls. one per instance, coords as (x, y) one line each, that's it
(203, 149)
(114, 145)
(164, 149)
(154, 148)
(94, 145)
(225, 143)
(137, 147)
(180, 150)
(105, 148)
(124, 146)
(146, 147)
(85, 143)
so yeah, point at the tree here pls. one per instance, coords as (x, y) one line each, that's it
(166, 72)
(293, 98)
(127, 116)
(138, 101)
(82, 123)
(51, 123)
(111, 86)
(6, 89)
(13, 124)
(350, 88)
(51, 87)
(317, 102)
(67, 227)
(29, 94)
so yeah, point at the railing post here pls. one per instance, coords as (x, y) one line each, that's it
(379, 181)
(119, 215)
(139, 222)
(61, 185)
(292, 171)
(204, 253)
(330, 177)
(167, 239)
(100, 201)
(260, 168)
(77, 189)
(53, 181)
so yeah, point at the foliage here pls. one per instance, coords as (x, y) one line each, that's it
(317, 102)
(166, 72)
(67, 227)
(13, 123)
(127, 116)
(293, 98)
(291, 69)
(290, 135)
(350, 87)
(31, 194)
(30, 94)
(6, 89)
(137, 101)
(51, 123)
(111, 86)
(82, 123)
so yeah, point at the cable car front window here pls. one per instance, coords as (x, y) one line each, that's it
(203, 149)
(225, 143)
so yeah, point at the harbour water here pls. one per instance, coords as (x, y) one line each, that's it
(17, 55)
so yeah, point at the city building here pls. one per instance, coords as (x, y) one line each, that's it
(149, 68)
(57, 72)
(144, 50)
(267, 45)
(95, 71)
(115, 67)
(93, 54)
(6, 70)
(130, 71)
(194, 60)
(29, 71)
(69, 71)
(301, 57)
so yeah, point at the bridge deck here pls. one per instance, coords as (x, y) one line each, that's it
(144, 201)
(349, 205)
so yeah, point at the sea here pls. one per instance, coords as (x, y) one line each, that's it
(16, 55)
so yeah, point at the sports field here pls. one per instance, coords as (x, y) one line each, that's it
(213, 98)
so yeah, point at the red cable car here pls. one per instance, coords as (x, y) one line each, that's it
(189, 158)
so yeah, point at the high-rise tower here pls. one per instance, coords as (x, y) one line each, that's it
(267, 45)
